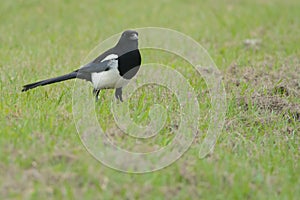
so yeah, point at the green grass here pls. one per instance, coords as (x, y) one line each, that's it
(257, 155)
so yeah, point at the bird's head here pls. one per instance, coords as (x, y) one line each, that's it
(129, 40)
(130, 35)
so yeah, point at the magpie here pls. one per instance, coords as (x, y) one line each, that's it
(110, 70)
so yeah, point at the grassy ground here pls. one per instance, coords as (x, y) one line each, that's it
(258, 153)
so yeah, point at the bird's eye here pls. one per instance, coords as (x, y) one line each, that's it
(133, 36)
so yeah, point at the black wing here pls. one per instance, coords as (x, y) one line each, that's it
(96, 67)
(86, 71)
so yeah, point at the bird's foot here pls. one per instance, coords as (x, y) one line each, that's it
(118, 94)
(96, 93)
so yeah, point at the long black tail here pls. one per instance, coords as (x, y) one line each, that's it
(50, 81)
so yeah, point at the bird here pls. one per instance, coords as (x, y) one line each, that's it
(111, 70)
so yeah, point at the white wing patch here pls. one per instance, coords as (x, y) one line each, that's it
(110, 78)
(110, 57)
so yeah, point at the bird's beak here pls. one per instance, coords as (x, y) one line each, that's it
(134, 36)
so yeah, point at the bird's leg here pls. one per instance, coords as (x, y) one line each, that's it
(96, 93)
(118, 94)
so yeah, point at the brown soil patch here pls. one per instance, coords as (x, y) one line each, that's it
(275, 104)
(278, 78)
(271, 86)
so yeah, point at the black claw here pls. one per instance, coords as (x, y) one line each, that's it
(96, 93)
(118, 94)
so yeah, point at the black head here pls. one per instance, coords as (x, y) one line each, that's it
(130, 35)
(129, 40)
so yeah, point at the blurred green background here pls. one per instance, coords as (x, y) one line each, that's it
(257, 155)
